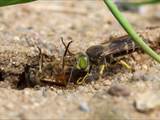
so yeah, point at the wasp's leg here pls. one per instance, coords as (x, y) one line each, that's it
(102, 69)
(103, 66)
(122, 62)
(82, 80)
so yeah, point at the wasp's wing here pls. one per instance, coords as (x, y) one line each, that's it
(120, 46)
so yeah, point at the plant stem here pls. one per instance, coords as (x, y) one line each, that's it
(128, 28)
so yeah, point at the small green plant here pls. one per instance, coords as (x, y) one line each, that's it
(129, 29)
(13, 2)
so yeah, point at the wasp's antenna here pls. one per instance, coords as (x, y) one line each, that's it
(65, 52)
(62, 40)
(40, 59)
(67, 48)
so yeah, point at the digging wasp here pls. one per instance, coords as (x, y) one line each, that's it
(77, 68)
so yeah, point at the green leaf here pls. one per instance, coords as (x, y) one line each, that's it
(13, 2)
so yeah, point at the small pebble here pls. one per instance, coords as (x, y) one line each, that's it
(147, 76)
(151, 77)
(156, 66)
(59, 92)
(97, 86)
(37, 87)
(145, 67)
(119, 90)
(147, 102)
(80, 88)
(44, 91)
(138, 75)
(84, 107)
(10, 106)
(107, 82)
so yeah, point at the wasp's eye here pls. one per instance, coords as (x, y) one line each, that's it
(82, 62)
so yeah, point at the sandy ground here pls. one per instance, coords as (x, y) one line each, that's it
(87, 23)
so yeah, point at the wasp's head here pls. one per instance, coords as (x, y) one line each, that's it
(94, 53)
(82, 62)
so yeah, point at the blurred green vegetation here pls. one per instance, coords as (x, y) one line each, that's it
(125, 5)
(12, 2)
(144, 2)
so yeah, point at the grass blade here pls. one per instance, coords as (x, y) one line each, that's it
(13, 2)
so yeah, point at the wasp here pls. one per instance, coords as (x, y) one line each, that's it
(121, 46)
(108, 53)
(44, 69)
(81, 67)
